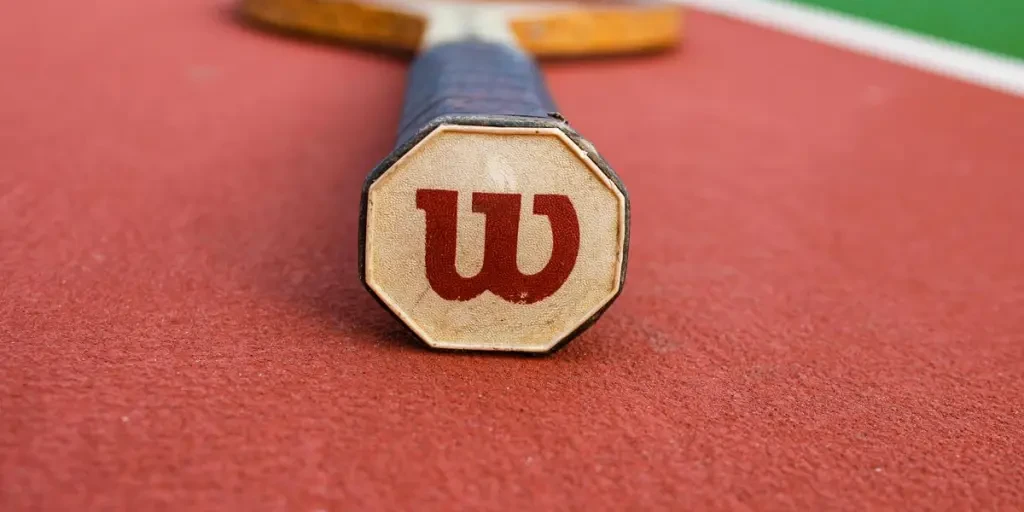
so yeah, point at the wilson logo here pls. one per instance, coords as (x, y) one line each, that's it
(500, 272)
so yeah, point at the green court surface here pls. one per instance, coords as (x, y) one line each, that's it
(993, 25)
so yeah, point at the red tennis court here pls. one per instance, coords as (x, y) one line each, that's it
(822, 311)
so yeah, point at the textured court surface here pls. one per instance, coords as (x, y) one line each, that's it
(823, 308)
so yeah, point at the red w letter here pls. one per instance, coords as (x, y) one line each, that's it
(500, 273)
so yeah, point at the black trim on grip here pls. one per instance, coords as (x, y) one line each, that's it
(472, 78)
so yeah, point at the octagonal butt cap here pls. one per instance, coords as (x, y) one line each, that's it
(440, 222)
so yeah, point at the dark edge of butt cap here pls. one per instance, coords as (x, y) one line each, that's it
(554, 121)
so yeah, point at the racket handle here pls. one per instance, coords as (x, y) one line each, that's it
(480, 141)
(472, 78)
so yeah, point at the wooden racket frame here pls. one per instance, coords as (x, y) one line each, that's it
(545, 30)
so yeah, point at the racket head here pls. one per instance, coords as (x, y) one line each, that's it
(544, 29)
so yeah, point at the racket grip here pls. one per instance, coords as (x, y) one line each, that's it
(472, 78)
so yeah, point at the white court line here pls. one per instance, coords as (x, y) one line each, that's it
(922, 52)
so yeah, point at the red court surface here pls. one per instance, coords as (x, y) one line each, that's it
(822, 311)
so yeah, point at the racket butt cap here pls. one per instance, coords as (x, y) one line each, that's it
(494, 233)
